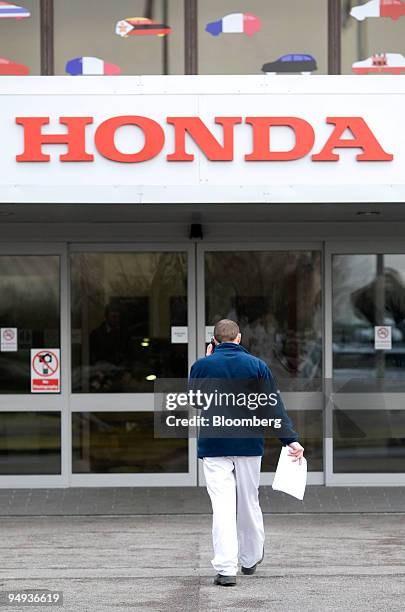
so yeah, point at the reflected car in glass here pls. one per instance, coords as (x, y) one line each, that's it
(12, 11)
(379, 8)
(10, 68)
(293, 63)
(235, 23)
(90, 66)
(140, 26)
(385, 63)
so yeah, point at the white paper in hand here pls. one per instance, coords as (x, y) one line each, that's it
(290, 477)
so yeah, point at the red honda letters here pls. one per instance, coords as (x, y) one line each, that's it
(261, 129)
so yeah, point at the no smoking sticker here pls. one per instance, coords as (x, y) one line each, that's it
(45, 370)
(9, 340)
(382, 337)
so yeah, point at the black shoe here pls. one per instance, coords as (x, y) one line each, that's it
(225, 580)
(248, 571)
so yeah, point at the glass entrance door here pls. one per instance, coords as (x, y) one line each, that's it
(117, 318)
(275, 294)
(127, 302)
(33, 315)
(366, 364)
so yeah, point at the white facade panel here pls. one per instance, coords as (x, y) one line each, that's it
(379, 102)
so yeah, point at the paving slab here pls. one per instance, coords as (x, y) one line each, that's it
(161, 563)
(191, 500)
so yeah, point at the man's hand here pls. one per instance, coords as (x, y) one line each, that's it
(296, 451)
(210, 349)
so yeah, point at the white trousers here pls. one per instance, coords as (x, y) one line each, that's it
(237, 523)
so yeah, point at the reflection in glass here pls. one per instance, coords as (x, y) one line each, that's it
(368, 441)
(123, 308)
(20, 39)
(368, 290)
(276, 299)
(123, 442)
(373, 35)
(29, 301)
(88, 29)
(309, 424)
(279, 35)
(30, 443)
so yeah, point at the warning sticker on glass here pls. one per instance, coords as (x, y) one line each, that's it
(45, 370)
(179, 335)
(9, 341)
(209, 332)
(382, 337)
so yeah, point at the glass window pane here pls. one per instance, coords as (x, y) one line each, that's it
(88, 29)
(368, 441)
(30, 443)
(123, 308)
(309, 424)
(29, 301)
(368, 290)
(20, 39)
(276, 299)
(236, 46)
(123, 442)
(373, 36)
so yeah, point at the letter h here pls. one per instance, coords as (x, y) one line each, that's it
(34, 138)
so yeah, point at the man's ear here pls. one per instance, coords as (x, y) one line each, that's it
(238, 338)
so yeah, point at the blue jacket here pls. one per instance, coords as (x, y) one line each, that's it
(232, 361)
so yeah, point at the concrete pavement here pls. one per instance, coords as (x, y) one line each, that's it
(329, 562)
(191, 500)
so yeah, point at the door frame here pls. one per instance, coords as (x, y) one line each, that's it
(349, 247)
(306, 399)
(53, 402)
(138, 402)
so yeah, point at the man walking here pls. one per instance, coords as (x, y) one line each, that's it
(232, 465)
